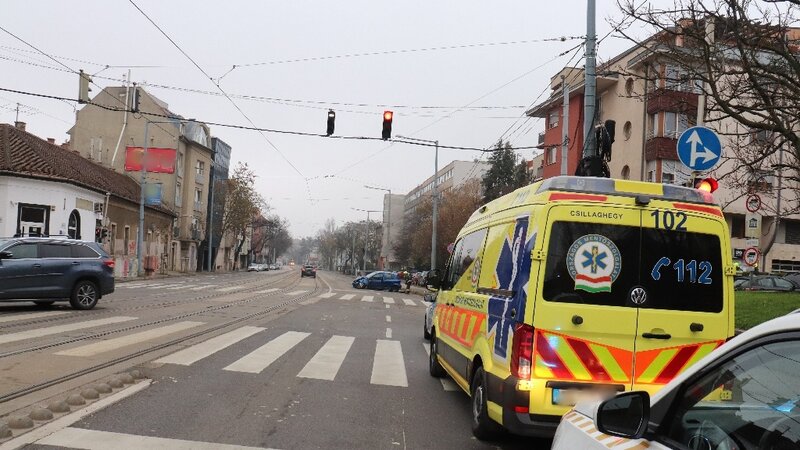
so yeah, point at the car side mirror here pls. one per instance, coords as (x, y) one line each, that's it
(434, 280)
(625, 415)
(6, 255)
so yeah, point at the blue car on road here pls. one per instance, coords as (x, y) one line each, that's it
(384, 281)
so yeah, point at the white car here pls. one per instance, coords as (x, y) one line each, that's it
(743, 395)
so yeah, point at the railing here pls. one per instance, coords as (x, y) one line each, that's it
(541, 138)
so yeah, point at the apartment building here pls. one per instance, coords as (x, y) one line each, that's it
(179, 160)
(652, 103)
(450, 176)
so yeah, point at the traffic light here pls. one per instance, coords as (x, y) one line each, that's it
(331, 120)
(135, 99)
(83, 87)
(706, 184)
(605, 137)
(387, 125)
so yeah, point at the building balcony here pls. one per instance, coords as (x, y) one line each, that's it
(661, 147)
(541, 138)
(671, 100)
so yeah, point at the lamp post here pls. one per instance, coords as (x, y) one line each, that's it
(366, 239)
(435, 214)
(388, 217)
(143, 172)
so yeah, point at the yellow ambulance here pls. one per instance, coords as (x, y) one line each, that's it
(576, 288)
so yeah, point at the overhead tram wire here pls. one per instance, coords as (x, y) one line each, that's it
(70, 69)
(220, 89)
(261, 129)
(374, 154)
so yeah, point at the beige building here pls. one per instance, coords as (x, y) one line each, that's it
(111, 138)
(652, 105)
(451, 175)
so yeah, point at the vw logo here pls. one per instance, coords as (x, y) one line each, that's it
(638, 295)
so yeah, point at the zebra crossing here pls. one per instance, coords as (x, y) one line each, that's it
(388, 362)
(373, 299)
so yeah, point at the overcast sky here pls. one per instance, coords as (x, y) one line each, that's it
(218, 35)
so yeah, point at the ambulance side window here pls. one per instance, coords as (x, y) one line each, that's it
(449, 279)
(465, 269)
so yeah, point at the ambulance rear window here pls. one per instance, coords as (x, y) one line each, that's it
(601, 264)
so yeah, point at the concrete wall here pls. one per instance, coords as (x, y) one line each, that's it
(122, 246)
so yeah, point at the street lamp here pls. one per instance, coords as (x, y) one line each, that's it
(388, 217)
(435, 217)
(366, 239)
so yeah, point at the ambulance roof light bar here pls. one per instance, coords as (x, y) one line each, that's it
(608, 186)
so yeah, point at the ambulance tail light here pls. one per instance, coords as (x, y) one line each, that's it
(522, 351)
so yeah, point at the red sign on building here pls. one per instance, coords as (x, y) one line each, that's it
(159, 160)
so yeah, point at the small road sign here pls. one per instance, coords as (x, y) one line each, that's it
(699, 148)
(753, 203)
(750, 256)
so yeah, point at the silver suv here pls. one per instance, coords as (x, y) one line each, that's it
(47, 270)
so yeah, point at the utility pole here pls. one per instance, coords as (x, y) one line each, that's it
(565, 126)
(435, 217)
(366, 239)
(140, 241)
(17, 119)
(590, 89)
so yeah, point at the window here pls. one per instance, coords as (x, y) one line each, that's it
(113, 238)
(782, 284)
(749, 401)
(627, 130)
(552, 155)
(552, 119)
(55, 251)
(792, 232)
(23, 251)
(651, 176)
(83, 251)
(653, 125)
(198, 198)
(179, 165)
(737, 226)
(74, 225)
(668, 178)
(126, 240)
(178, 194)
(626, 173)
(469, 251)
(785, 265)
(200, 168)
(670, 124)
(629, 87)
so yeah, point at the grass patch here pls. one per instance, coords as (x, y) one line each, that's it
(753, 308)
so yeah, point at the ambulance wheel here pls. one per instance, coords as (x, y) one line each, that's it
(434, 367)
(483, 427)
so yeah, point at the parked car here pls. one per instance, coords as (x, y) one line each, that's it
(793, 278)
(47, 270)
(429, 312)
(308, 271)
(254, 267)
(273, 267)
(384, 281)
(745, 394)
(764, 283)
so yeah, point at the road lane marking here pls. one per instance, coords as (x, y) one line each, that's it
(326, 363)
(388, 300)
(229, 289)
(124, 341)
(296, 292)
(31, 316)
(388, 318)
(40, 332)
(101, 440)
(260, 358)
(388, 306)
(191, 355)
(130, 285)
(388, 367)
(200, 288)
(367, 298)
(409, 302)
(165, 286)
(347, 296)
(182, 286)
(388, 333)
(328, 295)
(267, 291)
(426, 303)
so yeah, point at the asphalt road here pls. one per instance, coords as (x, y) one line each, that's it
(321, 365)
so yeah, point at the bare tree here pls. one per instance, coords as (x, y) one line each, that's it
(242, 204)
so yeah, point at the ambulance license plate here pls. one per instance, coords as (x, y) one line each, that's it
(570, 397)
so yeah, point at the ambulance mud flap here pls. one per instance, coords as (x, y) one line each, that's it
(516, 415)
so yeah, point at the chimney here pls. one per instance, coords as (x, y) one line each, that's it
(19, 125)
(51, 141)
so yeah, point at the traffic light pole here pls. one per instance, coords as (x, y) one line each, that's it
(435, 215)
(590, 89)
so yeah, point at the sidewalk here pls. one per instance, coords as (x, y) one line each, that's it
(169, 274)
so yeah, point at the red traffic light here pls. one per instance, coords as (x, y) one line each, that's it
(387, 125)
(707, 185)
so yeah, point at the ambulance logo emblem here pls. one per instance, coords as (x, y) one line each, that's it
(594, 262)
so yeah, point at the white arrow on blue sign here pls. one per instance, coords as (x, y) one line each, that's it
(699, 148)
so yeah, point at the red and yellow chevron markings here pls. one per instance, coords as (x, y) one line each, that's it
(463, 325)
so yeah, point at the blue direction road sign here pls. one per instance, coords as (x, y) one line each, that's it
(699, 148)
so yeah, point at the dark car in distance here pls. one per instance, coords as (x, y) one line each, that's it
(764, 283)
(308, 271)
(47, 270)
(383, 281)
